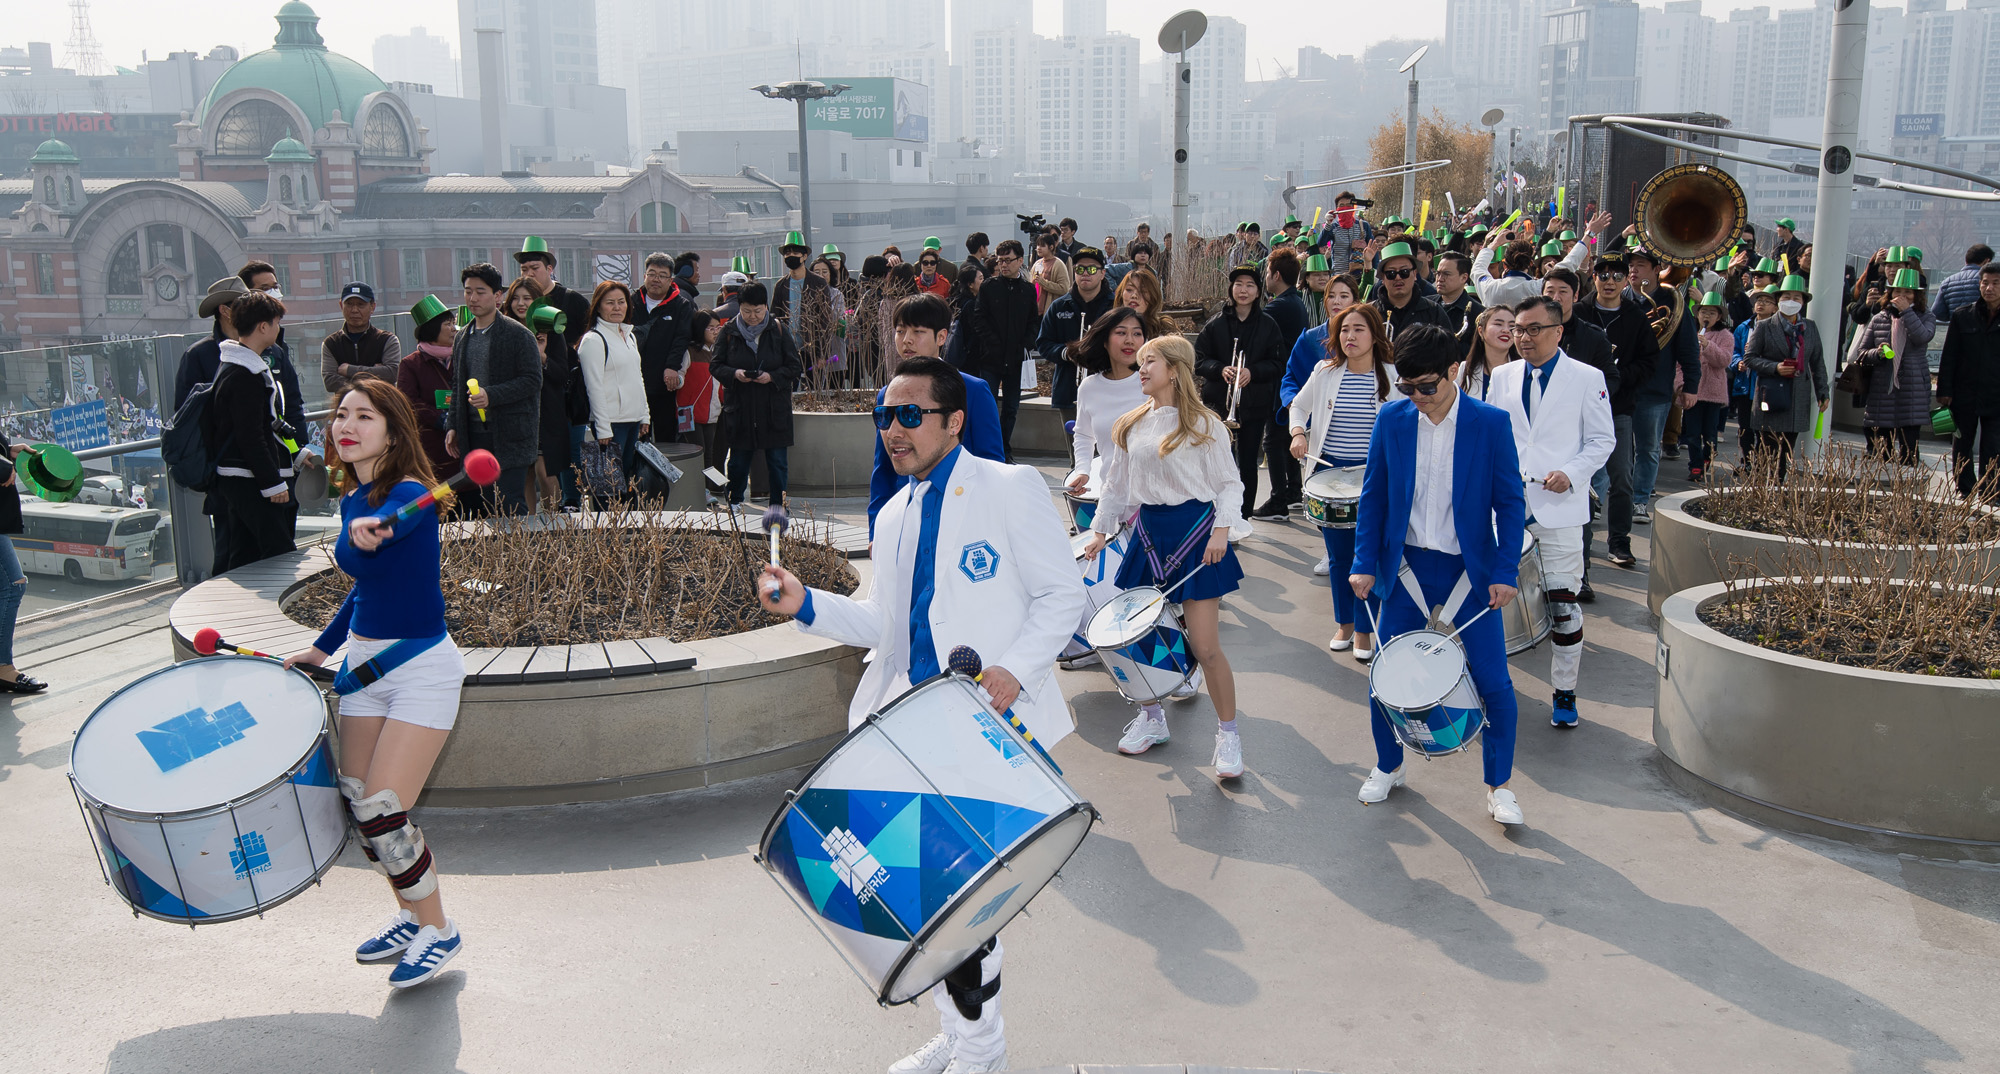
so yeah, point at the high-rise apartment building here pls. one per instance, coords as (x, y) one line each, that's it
(1589, 61)
(549, 43)
(419, 57)
(1676, 46)
(1218, 89)
(1086, 92)
(1492, 48)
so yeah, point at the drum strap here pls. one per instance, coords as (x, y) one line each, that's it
(1444, 613)
(401, 652)
(1196, 538)
(964, 987)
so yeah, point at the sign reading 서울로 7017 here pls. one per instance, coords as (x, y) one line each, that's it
(874, 108)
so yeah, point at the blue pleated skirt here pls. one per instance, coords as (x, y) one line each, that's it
(1183, 528)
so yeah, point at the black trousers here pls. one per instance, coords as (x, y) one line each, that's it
(1285, 480)
(1782, 443)
(1899, 443)
(1251, 437)
(1978, 437)
(1006, 384)
(256, 528)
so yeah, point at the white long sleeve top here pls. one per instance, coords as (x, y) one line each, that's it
(1137, 474)
(609, 354)
(1100, 402)
(1511, 291)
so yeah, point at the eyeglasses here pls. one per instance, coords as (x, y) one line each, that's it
(1087, 270)
(909, 415)
(1398, 273)
(1610, 274)
(1006, 259)
(928, 262)
(1412, 388)
(1532, 330)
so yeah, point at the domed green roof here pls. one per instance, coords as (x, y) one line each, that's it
(299, 68)
(54, 152)
(289, 151)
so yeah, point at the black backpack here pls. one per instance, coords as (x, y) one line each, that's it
(184, 445)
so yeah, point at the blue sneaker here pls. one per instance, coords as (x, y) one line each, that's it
(394, 937)
(428, 953)
(1565, 709)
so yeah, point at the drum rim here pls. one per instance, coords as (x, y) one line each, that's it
(1117, 596)
(1396, 730)
(1465, 663)
(915, 945)
(326, 729)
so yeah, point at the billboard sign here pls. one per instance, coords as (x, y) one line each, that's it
(1919, 124)
(874, 108)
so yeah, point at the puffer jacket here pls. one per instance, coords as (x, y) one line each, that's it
(1899, 388)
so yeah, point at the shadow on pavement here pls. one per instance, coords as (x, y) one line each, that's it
(1108, 881)
(416, 1033)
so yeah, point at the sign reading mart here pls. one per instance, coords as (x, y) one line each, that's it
(874, 108)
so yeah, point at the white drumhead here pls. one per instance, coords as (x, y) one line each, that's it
(197, 734)
(1416, 670)
(1125, 618)
(1339, 483)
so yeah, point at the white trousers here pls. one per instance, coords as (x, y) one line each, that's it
(1562, 569)
(984, 1039)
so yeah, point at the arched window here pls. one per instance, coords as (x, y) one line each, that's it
(384, 135)
(123, 277)
(69, 188)
(49, 189)
(285, 189)
(658, 217)
(251, 129)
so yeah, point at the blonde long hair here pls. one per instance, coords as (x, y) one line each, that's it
(1194, 418)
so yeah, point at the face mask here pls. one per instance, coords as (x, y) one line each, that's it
(1791, 307)
(794, 261)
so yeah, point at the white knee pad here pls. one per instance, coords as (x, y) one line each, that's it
(396, 845)
(354, 790)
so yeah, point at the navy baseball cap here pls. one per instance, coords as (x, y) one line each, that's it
(358, 290)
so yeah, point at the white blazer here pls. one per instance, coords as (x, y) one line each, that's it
(1572, 432)
(1007, 584)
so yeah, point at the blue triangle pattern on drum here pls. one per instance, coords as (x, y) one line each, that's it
(319, 771)
(148, 893)
(896, 845)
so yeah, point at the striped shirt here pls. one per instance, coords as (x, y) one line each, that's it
(1353, 417)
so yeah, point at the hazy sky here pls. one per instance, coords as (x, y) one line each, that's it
(1277, 27)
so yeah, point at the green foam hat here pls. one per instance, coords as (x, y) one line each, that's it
(1915, 254)
(1317, 263)
(1794, 283)
(1908, 279)
(1293, 218)
(833, 251)
(52, 471)
(1280, 240)
(934, 243)
(1713, 298)
(1398, 249)
(548, 319)
(427, 310)
(1552, 248)
(1567, 236)
(533, 248)
(1394, 221)
(794, 241)
(1767, 267)
(1786, 223)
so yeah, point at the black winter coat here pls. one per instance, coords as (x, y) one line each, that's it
(1215, 348)
(665, 344)
(1005, 320)
(1421, 310)
(10, 493)
(1969, 368)
(757, 417)
(1586, 343)
(1634, 346)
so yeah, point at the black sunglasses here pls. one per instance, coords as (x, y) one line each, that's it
(910, 415)
(1610, 274)
(1411, 388)
(1398, 273)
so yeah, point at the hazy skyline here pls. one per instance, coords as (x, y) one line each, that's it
(1277, 28)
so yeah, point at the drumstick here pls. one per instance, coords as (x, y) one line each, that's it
(208, 641)
(775, 523)
(481, 468)
(965, 661)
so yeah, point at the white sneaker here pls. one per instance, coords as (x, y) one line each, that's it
(1186, 691)
(1324, 567)
(1501, 804)
(965, 1066)
(1143, 733)
(1228, 754)
(932, 1058)
(1379, 783)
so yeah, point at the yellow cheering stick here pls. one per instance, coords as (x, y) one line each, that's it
(1509, 222)
(472, 389)
(1562, 193)
(1423, 216)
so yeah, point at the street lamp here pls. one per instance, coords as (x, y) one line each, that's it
(1410, 132)
(1180, 34)
(801, 92)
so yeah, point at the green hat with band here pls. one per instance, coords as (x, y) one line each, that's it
(1398, 249)
(1767, 267)
(1794, 283)
(832, 251)
(1317, 263)
(1395, 221)
(548, 319)
(1280, 240)
(1768, 289)
(52, 471)
(534, 248)
(1908, 279)
(1713, 298)
(1552, 248)
(794, 241)
(428, 309)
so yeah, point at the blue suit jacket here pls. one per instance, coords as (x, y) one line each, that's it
(982, 438)
(1486, 494)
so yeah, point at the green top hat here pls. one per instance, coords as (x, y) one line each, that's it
(427, 310)
(1794, 283)
(1896, 255)
(533, 248)
(52, 471)
(1394, 221)
(794, 241)
(833, 251)
(1566, 236)
(1397, 249)
(548, 319)
(1713, 298)
(1786, 223)
(1317, 263)
(1552, 248)
(1768, 289)
(1293, 218)
(934, 243)
(1908, 279)
(739, 263)
(1767, 267)
(464, 316)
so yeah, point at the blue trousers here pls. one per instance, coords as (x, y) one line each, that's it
(1649, 423)
(1485, 654)
(1340, 556)
(13, 586)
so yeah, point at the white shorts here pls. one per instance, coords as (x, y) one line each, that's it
(1562, 555)
(423, 690)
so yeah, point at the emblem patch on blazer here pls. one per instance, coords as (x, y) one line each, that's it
(978, 561)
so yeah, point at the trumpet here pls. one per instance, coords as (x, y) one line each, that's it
(1235, 387)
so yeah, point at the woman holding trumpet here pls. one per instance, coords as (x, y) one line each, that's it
(1331, 419)
(1239, 359)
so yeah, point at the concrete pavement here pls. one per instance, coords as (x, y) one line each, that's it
(1276, 924)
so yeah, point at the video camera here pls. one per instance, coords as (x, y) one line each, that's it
(1031, 225)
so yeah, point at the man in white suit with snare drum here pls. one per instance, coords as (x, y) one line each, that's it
(1563, 433)
(973, 553)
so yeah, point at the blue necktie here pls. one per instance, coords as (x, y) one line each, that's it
(1528, 387)
(923, 584)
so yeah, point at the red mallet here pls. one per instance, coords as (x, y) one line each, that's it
(208, 642)
(481, 468)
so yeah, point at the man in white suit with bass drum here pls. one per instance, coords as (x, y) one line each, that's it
(1563, 433)
(971, 552)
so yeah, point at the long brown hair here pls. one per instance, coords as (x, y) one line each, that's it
(1383, 355)
(603, 289)
(525, 286)
(1475, 354)
(1193, 418)
(1148, 286)
(404, 459)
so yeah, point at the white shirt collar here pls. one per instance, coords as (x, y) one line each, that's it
(1450, 416)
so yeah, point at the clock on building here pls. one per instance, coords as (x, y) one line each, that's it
(167, 288)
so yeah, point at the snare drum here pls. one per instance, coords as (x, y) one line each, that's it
(1420, 681)
(1333, 497)
(922, 834)
(1143, 644)
(1083, 505)
(1100, 581)
(1527, 617)
(210, 789)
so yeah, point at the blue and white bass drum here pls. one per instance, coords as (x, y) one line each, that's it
(922, 834)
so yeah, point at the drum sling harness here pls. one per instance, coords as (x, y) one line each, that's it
(400, 652)
(962, 984)
(1441, 614)
(1196, 537)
